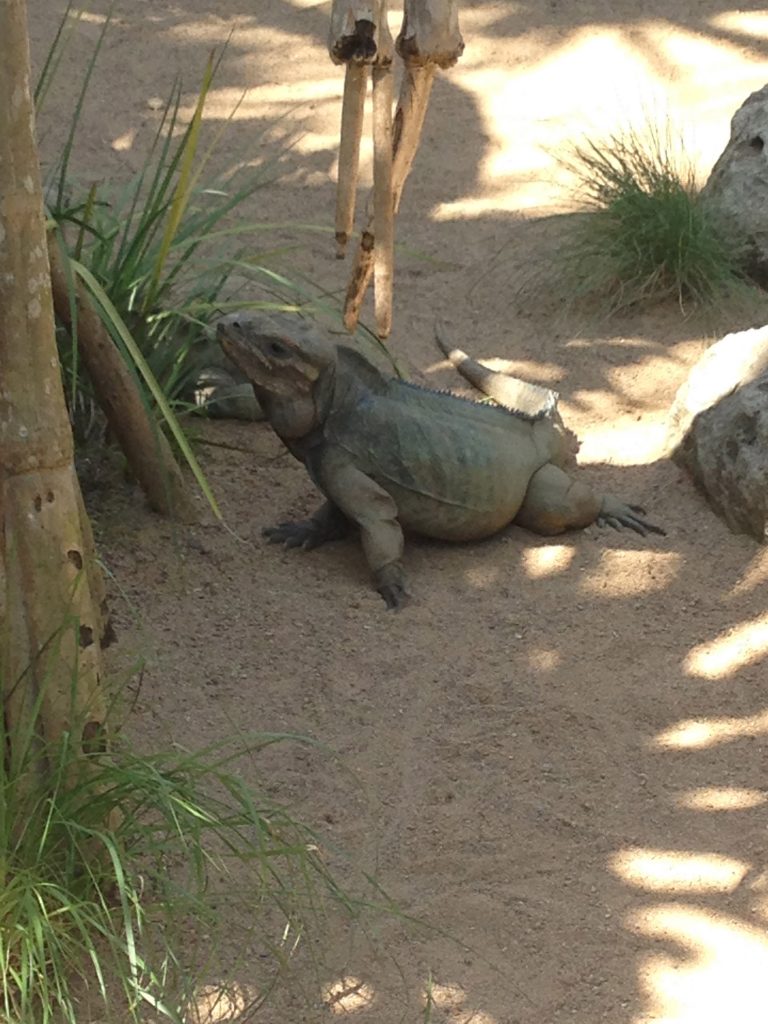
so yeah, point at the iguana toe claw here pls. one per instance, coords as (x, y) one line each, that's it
(617, 515)
(395, 597)
(390, 583)
(292, 535)
(608, 521)
(328, 523)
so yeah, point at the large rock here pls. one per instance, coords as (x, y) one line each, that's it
(737, 189)
(718, 429)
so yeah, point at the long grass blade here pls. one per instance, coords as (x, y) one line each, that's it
(183, 187)
(115, 322)
(63, 165)
(54, 54)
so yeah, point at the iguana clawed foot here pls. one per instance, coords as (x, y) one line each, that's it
(328, 523)
(390, 583)
(302, 534)
(617, 515)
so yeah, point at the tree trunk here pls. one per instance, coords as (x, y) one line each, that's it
(51, 590)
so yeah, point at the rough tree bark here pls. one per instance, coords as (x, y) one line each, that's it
(51, 590)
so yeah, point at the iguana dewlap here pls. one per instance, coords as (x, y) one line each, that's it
(390, 456)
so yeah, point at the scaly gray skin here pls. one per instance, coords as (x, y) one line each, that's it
(390, 456)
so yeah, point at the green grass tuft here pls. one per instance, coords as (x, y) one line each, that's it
(123, 875)
(642, 233)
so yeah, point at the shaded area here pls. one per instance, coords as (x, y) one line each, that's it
(556, 755)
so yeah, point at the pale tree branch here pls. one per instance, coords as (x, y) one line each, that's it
(429, 39)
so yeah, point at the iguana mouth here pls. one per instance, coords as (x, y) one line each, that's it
(271, 361)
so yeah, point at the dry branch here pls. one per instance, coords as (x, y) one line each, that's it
(383, 210)
(429, 38)
(430, 33)
(359, 36)
(408, 125)
(145, 447)
(353, 105)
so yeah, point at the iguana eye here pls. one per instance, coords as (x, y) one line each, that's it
(276, 348)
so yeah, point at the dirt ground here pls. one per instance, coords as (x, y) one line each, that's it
(556, 755)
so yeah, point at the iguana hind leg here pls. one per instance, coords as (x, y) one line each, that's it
(328, 523)
(554, 502)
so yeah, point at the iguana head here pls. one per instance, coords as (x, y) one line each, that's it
(288, 362)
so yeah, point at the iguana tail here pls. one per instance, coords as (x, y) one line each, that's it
(511, 392)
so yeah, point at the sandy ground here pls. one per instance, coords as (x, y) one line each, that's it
(556, 755)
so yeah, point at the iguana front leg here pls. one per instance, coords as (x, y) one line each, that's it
(328, 523)
(363, 501)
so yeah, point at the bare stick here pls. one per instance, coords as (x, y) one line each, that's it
(408, 126)
(383, 210)
(353, 106)
(412, 104)
(430, 33)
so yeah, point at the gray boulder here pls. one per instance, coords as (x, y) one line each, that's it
(718, 429)
(736, 192)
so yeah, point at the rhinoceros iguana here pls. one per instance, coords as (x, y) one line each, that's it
(389, 455)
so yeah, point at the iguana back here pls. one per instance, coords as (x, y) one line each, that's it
(457, 469)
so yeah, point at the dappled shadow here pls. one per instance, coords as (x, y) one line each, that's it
(558, 749)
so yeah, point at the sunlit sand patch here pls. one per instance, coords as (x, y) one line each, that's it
(629, 573)
(708, 732)
(659, 73)
(673, 871)
(272, 99)
(124, 142)
(625, 442)
(527, 369)
(445, 996)
(529, 117)
(756, 575)
(714, 71)
(544, 660)
(348, 995)
(688, 50)
(721, 798)
(748, 23)
(90, 18)
(740, 646)
(473, 1017)
(718, 974)
(547, 561)
(221, 1003)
